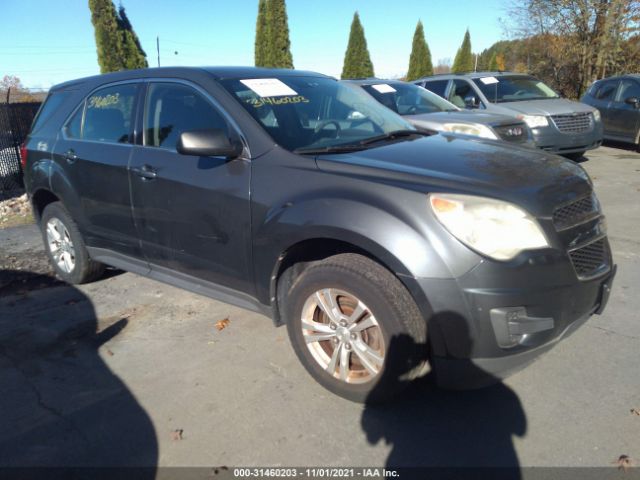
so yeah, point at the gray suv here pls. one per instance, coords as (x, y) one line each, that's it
(558, 125)
(618, 100)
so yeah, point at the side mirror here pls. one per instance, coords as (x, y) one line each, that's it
(471, 102)
(211, 142)
(634, 101)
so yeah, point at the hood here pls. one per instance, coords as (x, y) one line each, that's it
(552, 106)
(533, 179)
(461, 116)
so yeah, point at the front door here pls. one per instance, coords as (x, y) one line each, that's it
(93, 150)
(623, 117)
(192, 213)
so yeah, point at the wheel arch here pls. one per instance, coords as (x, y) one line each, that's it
(39, 201)
(299, 255)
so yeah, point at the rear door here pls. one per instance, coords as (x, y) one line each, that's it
(623, 117)
(93, 151)
(192, 213)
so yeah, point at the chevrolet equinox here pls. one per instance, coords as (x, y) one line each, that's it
(386, 251)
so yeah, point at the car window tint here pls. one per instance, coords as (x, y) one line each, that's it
(172, 109)
(459, 91)
(437, 86)
(628, 89)
(108, 114)
(48, 108)
(606, 90)
(73, 128)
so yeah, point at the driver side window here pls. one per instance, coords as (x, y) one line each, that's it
(172, 109)
(460, 89)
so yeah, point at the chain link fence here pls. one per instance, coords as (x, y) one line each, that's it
(15, 121)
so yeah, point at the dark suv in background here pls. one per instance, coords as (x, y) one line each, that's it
(296, 196)
(618, 100)
(558, 125)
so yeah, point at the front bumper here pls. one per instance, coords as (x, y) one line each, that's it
(553, 140)
(499, 317)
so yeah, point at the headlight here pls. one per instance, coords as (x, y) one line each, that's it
(494, 228)
(534, 121)
(475, 129)
(596, 115)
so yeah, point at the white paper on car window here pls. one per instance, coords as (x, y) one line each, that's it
(489, 80)
(384, 88)
(269, 87)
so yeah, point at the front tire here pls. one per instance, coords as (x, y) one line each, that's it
(355, 328)
(66, 248)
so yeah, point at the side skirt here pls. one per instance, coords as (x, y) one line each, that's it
(180, 280)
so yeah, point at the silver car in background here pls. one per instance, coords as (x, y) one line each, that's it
(427, 111)
(558, 125)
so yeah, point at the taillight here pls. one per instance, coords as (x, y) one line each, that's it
(23, 155)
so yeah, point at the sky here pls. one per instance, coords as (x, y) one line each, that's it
(45, 42)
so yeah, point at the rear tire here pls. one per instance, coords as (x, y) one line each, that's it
(66, 248)
(373, 340)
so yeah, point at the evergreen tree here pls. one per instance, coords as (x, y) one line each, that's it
(108, 43)
(133, 54)
(262, 36)
(279, 46)
(493, 63)
(464, 58)
(420, 60)
(117, 45)
(357, 62)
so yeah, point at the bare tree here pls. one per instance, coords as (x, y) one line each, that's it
(576, 40)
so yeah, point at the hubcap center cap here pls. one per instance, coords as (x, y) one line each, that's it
(343, 334)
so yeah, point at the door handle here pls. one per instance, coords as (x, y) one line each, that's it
(147, 172)
(70, 156)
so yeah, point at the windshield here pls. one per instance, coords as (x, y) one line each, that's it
(305, 113)
(408, 99)
(514, 88)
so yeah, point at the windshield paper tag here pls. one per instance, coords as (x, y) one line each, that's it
(269, 87)
(489, 80)
(384, 88)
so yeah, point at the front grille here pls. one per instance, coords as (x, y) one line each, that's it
(575, 212)
(590, 260)
(573, 122)
(515, 133)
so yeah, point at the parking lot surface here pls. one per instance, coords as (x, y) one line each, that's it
(131, 371)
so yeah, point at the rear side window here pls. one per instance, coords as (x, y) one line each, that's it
(106, 116)
(48, 108)
(172, 109)
(437, 86)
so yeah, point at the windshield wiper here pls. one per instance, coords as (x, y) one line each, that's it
(392, 136)
(362, 144)
(330, 149)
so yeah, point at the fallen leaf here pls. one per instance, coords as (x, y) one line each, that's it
(176, 434)
(222, 324)
(635, 411)
(624, 462)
